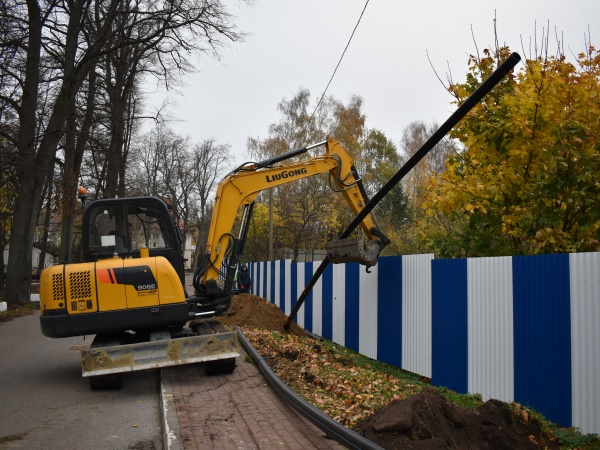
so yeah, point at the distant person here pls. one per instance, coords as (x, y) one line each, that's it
(243, 280)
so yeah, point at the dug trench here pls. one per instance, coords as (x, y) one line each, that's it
(425, 420)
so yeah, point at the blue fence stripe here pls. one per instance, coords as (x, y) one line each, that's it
(253, 272)
(449, 323)
(308, 303)
(256, 285)
(542, 334)
(352, 305)
(294, 287)
(272, 287)
(255, 278)
(282, 286)
(263, 282)
(389, 311)
(327, 296)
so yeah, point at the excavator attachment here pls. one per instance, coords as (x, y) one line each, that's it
(353, 250)
(107, 356)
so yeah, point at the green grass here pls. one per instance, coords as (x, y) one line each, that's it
(570, 438)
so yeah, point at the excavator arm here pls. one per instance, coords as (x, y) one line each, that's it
(240, 188)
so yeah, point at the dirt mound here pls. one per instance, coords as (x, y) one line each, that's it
(427, 420)
(253, 311)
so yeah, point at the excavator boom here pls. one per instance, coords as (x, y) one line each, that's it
(241, 187)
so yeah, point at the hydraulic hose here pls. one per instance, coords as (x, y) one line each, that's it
(333, 429)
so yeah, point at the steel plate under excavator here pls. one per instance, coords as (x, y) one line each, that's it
(111, 359)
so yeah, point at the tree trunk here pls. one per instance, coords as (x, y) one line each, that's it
(33, 168)
(73, 157)
(18, 277)
(44, 246)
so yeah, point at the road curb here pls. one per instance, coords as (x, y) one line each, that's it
(168, 412)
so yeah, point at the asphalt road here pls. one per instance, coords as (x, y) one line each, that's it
(46, 404)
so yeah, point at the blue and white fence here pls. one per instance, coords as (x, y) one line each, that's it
(523, 328)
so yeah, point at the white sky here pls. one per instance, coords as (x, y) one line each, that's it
(297, 44)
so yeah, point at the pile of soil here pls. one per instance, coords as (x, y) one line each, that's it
(427, 420)
(253, 311)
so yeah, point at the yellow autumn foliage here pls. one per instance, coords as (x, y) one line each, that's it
(527, 181)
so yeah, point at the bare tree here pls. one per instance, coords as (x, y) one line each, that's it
(210, 163)
(71, 37)
(184, 174)
(413, 138)
(306, 207)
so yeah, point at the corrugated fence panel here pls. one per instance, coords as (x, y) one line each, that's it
(287, 287)
(327, 293)
(339, 303)
(271, 281)
(294, 289)
(490, 305)
(308, 303)
(252, 270)
(416, 314)
(509, 328)
(542, 328)
(367, 328)
(352, 306)
(267, 281)
(389, 311)
(277, 284)
(256, 279)
(317, 303)
(585, 340)
(253, 267)
(300, 267)
(449, 322)
(262, 269)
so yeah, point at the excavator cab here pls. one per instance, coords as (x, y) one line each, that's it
(125, 226)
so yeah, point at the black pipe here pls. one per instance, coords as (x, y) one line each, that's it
(462, 111)
(333, 429)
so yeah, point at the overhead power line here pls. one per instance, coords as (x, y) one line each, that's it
(335, 70)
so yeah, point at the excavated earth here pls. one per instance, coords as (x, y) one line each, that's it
(253, 311)
(426, 420)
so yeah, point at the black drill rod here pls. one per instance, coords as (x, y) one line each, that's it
(461, 112)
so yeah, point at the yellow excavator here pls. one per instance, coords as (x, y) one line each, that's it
(130, 289)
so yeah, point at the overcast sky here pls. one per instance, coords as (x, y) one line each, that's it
(297, 44)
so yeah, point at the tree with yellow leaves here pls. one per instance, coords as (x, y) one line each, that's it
(528, 179)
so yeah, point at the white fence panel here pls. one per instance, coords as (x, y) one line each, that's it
(317, 295)
(367, 325)
(339, 304)
(584, 271)
(416, 314)
(490, 304)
